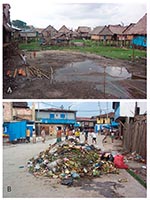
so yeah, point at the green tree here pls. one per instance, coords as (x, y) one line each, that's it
(19, 24)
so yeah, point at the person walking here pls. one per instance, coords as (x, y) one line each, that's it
(93, 134)
(43, 135)
(59, 134)
(34, 136)
(112, 135)
(86, 132)
(106, 134)
(77, 134)
(28, 135)
(66, 133)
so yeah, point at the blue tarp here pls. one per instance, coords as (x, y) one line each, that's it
(112, 125)
(140, 41)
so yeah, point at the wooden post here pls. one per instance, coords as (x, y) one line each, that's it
(133, 53)
(104, 80)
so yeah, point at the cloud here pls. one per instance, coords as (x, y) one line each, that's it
(44, 13)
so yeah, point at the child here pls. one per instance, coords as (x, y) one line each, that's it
(86, 135)
(77, 134)
(34, 136)
(28, 135)
(93, 134)
(43, 134)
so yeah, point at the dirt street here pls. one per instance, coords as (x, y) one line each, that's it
(74, 75)
(18, 182)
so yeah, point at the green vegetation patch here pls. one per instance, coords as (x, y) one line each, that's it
(90, 47)
(139, 179)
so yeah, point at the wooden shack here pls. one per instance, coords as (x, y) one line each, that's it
(64, 29)
(117, 31)
(140, 28)
(84, 32)
(49, 31)
(101, 33)
(138, 33)
(27, 36)
(126, 35)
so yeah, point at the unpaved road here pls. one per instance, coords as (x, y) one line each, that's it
(75, 75)
(18, 182)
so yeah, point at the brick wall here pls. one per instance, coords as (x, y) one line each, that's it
(7, 111)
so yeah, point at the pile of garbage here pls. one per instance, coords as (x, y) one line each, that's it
(71, 160)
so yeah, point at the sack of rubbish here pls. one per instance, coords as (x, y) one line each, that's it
(119, 162)
(67, 181)
(107, 156)
(54, 164)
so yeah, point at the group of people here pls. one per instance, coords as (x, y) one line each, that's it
(76, 133)
(28, 135)
(70, 132)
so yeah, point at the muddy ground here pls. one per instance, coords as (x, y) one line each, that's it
(74, 75)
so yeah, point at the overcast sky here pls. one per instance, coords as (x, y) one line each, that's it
(83, 108)
(45, 12)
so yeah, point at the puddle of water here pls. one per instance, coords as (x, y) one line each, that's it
(90, 71)
(120, 72)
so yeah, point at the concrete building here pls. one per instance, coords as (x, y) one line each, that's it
(52, 118)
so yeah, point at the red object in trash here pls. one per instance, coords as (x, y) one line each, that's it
(119, 162)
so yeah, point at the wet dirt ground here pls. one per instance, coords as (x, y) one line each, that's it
(75, 75)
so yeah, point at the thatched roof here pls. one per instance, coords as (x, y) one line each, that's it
(63, 29)
(39, 30)
(116, 29)
(96, 30)
(140, 28)
(128, 28)
(101, 30)
(83, 29)
(75, 34)
(50, 29)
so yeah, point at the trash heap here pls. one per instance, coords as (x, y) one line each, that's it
(71, 160)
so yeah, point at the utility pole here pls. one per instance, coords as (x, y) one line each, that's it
(99, 105)
(38, 119)
(107, 112)
(33, 111)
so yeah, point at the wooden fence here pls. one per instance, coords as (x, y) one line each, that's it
(135, 135)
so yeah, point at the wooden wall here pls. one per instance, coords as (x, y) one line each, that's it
(135, 135)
